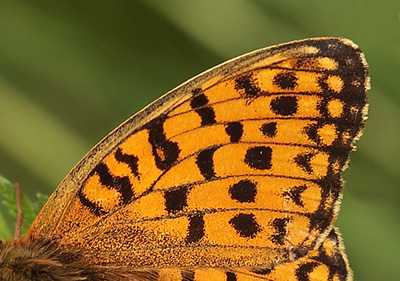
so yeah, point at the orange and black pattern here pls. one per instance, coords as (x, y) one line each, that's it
(234, 175)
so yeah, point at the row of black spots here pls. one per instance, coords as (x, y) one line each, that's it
(353, 75)
(121, 185)
(199, 103)
(235, 130)
(282, 105)
(165, 152)
(256, 157)
(286, 80)
(189, 275)
(245, 225)
(242, 191)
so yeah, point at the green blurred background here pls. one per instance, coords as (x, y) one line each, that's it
(70, 71)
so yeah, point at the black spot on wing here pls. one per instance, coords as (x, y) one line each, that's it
(243, 191)
(269, 129)
(199, 104)
(165, 152)
(205, 162)
(207, 116)
(176, 200)
(234, 131)
(198, 100)
(245, 225)
(286, 80)
(230, 276)
(247, 83)
(285, 106)
(280, 226)
(196, 229)
(131, 160)
(259, 157)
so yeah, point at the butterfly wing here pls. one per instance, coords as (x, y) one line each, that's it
(239, 167)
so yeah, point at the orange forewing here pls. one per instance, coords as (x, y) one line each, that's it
(234, 175)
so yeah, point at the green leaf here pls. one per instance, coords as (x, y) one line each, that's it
(9, 210)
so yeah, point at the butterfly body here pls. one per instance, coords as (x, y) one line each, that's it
(234, 175)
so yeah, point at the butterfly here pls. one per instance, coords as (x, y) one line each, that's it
(233, 175)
